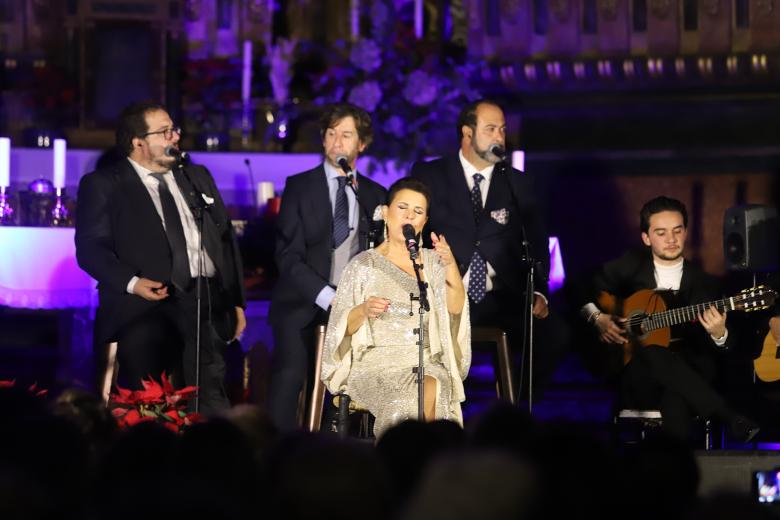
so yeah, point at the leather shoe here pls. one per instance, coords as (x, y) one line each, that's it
(743, 429)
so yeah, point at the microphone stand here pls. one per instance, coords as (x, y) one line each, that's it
(420, 331)
(197, 213)
(528, 321)
(530, 288)
(371, 235)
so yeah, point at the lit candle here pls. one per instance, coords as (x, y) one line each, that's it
(5, 162)
(354, 19)
(60, 148)
(418, 18)
(246, 73)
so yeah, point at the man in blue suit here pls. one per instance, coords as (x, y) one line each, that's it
(322, 223)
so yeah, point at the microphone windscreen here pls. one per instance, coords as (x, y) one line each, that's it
(409, 233)
(498, 151)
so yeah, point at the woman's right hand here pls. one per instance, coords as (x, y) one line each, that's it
(374, 306)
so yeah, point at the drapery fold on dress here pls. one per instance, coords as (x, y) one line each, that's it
(346, 361)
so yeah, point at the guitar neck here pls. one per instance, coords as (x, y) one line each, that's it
(671, 317)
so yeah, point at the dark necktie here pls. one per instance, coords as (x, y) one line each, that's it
(180, 272)
(477, 267)
(341, 214)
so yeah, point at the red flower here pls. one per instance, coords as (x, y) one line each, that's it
(33, 388)
(159, 402)
(132, 418)
(171, 426)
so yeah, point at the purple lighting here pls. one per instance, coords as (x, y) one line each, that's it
(41, 187)
(38, 270)
(557, 274)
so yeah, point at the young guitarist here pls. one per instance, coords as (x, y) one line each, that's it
(676, 379)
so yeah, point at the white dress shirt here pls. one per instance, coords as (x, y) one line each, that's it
(190, 226)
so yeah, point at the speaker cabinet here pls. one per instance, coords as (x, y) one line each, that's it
(751, 238)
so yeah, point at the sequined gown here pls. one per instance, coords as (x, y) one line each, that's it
(374, 365)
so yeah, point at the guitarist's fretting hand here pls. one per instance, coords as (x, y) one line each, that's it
(713, 322)
(774, 328)
(611, 328)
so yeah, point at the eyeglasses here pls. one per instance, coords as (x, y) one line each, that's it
(166, 132)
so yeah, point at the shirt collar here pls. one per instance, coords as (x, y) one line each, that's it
(142, 171)
(331, 172)
(470, 169)
(669, 268)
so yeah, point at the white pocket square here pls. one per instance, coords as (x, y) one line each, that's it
(377, 216)
(500, 215)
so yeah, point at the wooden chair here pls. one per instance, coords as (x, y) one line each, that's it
(343, 402)
(505, 388)
(109, 375)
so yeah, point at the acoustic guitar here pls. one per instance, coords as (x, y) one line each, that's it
(767, 365)
(649, 320)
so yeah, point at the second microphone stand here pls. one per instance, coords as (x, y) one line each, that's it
(420, 331)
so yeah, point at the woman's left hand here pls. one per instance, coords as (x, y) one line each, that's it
(442, 249)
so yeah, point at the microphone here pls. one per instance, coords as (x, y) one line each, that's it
(172, 151)
(411, 240)
(497, 150)
(252, 184)
(341, 160)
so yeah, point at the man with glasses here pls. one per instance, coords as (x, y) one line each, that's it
(138, 233)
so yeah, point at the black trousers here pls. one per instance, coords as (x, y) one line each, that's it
(291, 364)
(507, 311)
(657, 377)
(165, 340)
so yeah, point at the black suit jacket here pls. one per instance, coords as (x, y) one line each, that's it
(119, 234)
(499, 244)
(304, 230)
(635, 271)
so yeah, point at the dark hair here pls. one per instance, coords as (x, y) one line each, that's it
(468, 115)
(657, 205)
(338, 111)
(132, 123)
(410, 183)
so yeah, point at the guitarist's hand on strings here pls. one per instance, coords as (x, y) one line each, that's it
(774, 328)
(611, 329)
(713, 322)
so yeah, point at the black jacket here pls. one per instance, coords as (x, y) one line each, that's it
(119, 234)
(499, 243)
(304, 230)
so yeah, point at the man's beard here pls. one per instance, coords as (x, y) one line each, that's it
(164, 163)
(667, 256)
(485, 155)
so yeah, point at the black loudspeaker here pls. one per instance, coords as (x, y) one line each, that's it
(732, 471)
(751, 238)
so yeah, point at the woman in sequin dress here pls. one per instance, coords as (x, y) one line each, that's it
(370, 345)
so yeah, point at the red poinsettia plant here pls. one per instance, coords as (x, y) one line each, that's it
(33, 388)
(156, 402)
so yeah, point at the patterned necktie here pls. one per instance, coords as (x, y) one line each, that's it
(180, 272)
(341, 214)
(477, 267)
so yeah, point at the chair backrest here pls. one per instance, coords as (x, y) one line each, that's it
(109, 374)
(317, 396)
